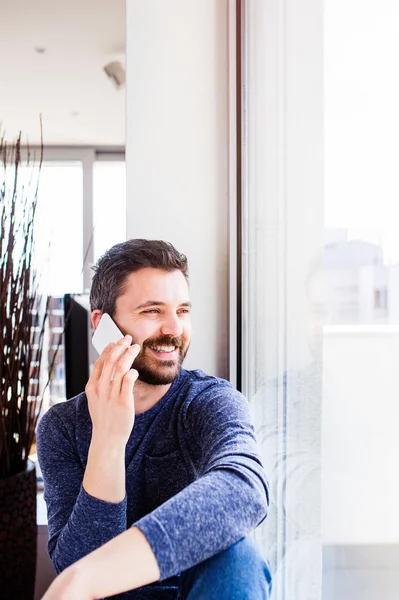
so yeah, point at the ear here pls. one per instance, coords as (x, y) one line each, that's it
(95, 317)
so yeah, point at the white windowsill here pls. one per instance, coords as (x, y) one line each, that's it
(41, 518)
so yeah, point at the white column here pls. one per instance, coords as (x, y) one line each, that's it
(177, 152)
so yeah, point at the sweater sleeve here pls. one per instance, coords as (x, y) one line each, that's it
(226, 502)
(77, 522)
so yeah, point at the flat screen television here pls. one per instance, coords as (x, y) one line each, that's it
(79, 352)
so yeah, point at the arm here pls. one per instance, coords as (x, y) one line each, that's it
(108, 570)
(78, 523)
(110, 399)
(228, 500)
(83, 517)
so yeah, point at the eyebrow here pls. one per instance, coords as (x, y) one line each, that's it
(156, 303)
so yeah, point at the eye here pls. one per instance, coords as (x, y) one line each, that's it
(184, 310)
(151, 311)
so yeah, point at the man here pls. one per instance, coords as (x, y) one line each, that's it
(152, 477)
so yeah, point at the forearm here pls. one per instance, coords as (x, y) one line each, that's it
(104, 476)
(92, 523)
(206, 517)
(125, 563)
(99, 513)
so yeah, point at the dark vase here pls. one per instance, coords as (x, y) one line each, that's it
(18, 535)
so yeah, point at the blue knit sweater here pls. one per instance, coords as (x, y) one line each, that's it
(194, 480)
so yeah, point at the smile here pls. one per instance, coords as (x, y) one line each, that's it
(165, 352)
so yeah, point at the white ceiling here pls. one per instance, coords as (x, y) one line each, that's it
(79, 104)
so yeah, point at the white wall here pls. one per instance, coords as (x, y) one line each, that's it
(360, 444)
(177, 149)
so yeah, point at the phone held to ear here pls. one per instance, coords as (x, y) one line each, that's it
(105, 333)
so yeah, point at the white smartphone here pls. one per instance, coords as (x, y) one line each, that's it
(105, 333)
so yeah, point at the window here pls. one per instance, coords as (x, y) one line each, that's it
(81, 212)
(320, 308)
(109, 205)
(60, 221)
(282, 263)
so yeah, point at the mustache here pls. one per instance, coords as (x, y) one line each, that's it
(163, 340)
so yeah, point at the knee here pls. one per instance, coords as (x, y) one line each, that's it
(241, 567)
(245, 551)
(246, 558)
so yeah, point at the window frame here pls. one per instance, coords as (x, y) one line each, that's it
(293, 157)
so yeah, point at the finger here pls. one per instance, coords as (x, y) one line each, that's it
(136, 351)
(128, 382)
(98, 365)
(113, 356)
(122, 367)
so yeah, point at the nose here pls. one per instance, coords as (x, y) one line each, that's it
(172, 326)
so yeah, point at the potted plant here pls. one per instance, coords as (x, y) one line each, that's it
(23, 310)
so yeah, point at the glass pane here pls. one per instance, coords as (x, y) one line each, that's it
(58, 237)
(59, 219)
(109, 205)
(360, 492)
(58, 222)
(282, 261)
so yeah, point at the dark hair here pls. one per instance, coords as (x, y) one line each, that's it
(113, 268)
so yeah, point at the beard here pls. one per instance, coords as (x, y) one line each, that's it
(154, 371)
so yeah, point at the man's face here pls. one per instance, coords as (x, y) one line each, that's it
(155, 311)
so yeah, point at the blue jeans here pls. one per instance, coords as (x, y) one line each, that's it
(238, 573)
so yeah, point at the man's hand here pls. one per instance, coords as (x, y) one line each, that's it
(124, 563)
(110, 399)
(109, 392)
(68, 586)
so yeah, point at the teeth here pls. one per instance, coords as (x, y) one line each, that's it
(164, 348)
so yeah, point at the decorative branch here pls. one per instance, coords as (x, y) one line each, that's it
(23, 308)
